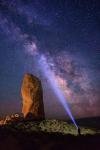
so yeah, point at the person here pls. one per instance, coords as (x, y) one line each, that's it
(79, 131)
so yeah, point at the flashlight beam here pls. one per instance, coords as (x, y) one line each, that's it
(50, 76)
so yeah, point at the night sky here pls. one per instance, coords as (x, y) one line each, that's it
(67, 33)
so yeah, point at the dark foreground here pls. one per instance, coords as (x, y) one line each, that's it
(15, 140)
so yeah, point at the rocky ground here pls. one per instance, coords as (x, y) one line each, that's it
(47, 135)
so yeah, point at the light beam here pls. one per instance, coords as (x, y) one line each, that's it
(50, 76)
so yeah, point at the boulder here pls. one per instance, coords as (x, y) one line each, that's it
(32, 97)
(11, 119)
(1, 122)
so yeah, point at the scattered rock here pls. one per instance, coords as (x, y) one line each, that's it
(11, 119)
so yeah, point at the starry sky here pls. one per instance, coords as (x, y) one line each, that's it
(67, 33)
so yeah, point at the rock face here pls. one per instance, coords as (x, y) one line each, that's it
(32, 95)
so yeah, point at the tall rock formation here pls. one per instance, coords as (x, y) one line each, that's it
(32, 95)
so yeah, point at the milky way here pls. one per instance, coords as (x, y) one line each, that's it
(67, 33)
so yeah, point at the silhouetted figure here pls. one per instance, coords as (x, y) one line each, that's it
(79, 131)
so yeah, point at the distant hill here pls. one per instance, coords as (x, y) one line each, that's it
(92, 122)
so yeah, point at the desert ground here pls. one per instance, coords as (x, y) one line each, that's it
(49, 135)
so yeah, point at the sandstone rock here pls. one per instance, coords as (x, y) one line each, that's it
(1, 122)
(32, 96)
(11, 119)
(7, 119)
